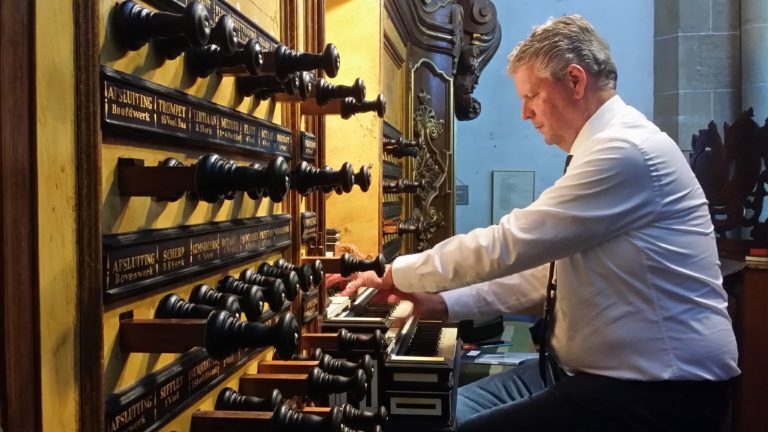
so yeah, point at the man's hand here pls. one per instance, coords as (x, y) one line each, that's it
(369, 279)
(425, 305)
(359, 280)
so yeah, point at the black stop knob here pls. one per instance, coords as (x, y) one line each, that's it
(325, 91)
(245, 60)
(249, 296)
(230, 400)
(205, 295)
(322, 384)
(284, 61)
(225, 335)
(135, 25)
(350, 107)
(305, 178)
(345, 367)
(370, 342)
(289, 278)
(315, 269)
(273, 293)
(350, 264)
(173, 306)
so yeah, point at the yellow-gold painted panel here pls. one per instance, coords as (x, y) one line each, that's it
(57, 243)
(393, 54)
(355, 27)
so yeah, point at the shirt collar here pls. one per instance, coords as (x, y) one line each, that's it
(599, 122)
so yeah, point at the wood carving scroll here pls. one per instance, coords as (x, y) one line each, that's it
(480, 41)
(430, 168)
(729, 171)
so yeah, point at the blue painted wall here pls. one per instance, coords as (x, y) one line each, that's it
(499, 140)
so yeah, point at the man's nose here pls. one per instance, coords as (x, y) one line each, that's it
(526, 112)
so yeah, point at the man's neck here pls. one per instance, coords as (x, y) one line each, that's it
(596, 101)
(591, 103)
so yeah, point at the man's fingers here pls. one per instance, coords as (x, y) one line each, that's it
(393, 299)
(333, 278)
(381, 296)
(351, 287)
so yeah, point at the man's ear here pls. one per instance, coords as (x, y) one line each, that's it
(576, 78)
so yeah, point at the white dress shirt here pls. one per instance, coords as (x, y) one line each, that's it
(639, 287)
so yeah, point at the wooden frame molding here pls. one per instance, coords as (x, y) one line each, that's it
(19, 291)
(88, 198)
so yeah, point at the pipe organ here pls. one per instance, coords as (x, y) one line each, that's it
(216, 141)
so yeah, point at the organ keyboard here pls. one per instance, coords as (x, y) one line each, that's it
(362, 315)
(418, 378)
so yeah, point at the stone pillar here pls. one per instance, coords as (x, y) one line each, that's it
(754, 64)
(697, 76)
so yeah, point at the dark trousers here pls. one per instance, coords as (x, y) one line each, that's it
(516, 400)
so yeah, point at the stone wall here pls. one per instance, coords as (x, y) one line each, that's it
(697, 65)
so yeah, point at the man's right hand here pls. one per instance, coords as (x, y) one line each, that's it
(425, 305)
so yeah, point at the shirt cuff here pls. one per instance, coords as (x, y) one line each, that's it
(403, 272)
(460, 305)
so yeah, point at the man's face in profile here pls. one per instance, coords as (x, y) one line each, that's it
(548, 104)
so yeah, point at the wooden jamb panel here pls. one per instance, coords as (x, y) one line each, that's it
(88, 213)
(19, 291)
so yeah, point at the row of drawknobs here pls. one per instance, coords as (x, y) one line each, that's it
(280, 73)
(213, 178)
(260, 402)
(177, 328)
(273, 284)
(236, 411)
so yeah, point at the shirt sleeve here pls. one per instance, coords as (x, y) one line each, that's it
(606, 192)
(504, 295)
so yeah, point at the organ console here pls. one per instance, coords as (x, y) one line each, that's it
(402, 186)
(400, 147)
(272, 290)
(135, 25)
(346, 107)
(211, 179)
(426, 348)
(202, 112)
(220, 334)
